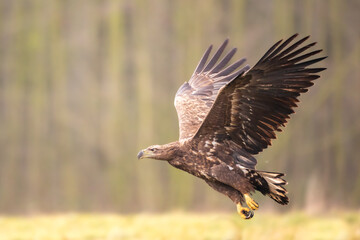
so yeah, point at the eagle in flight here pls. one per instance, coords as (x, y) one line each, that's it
(228, 114)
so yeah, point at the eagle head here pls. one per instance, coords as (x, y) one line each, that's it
(160, 152)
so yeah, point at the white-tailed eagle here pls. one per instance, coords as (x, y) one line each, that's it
(228, 114)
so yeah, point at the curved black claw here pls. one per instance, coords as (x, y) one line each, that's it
(244, 212)
(247, 213)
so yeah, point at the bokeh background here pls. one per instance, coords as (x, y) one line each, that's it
(86, 84)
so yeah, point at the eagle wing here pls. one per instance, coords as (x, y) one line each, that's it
(249, 109)
(194, 98)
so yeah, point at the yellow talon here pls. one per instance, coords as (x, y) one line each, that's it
(244, 212)
(251, 202)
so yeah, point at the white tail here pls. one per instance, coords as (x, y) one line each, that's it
(276, 189)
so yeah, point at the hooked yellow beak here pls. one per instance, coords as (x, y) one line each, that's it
(140, 154)
(145, 154)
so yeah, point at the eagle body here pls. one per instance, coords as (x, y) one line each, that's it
(206, 159)
(213, 167)
(228, 114)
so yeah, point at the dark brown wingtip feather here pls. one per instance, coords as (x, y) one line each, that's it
(298, 59)
(282, 46)
(290, 54)
(315, 70)
(310, 62)
(269, 51)
(275, 49)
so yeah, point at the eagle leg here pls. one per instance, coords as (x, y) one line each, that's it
(244, 212)
(247, 212)
(232, 193)
(251, 202)
(235, 196)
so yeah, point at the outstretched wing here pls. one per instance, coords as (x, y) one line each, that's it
(252, 107)
(194, 99)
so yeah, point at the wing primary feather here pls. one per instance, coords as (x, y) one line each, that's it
(309, 70)
(216, 56)
(292, 47)
(297, 52)
(224, 61)
(230, 68)
(203, 60)
(269, 52)
(307, 63)
(298, 59)
(237, 73)
(233, 75)
(282, 46)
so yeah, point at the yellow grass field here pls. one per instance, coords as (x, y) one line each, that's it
(180, 225)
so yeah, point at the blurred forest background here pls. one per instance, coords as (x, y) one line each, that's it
(85, 84)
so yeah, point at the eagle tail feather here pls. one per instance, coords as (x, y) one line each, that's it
(275, 189)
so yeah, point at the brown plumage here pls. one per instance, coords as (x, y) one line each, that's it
(228, 114)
